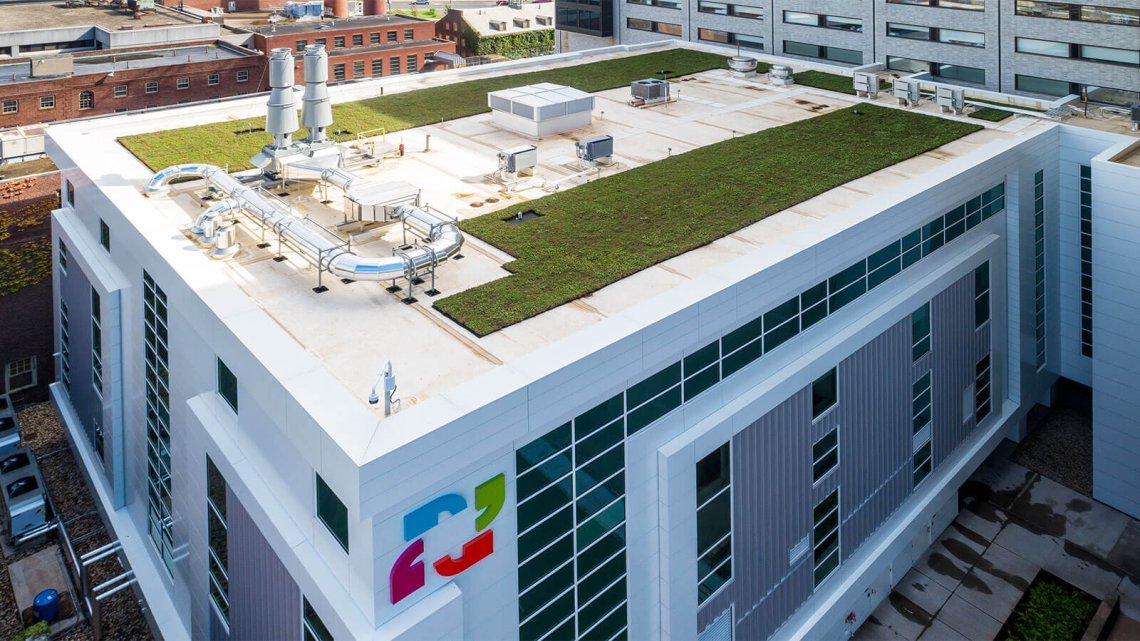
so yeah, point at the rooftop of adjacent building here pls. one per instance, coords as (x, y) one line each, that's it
(252, 22)
(55, 14)
(106, 63)
(480, 19)
(352, 329)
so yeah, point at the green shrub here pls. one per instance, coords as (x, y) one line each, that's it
(1050, 611)
(36, 629)
(511, 45)
(990, 114)
(600, 232)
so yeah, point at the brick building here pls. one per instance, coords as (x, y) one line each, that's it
(362, 47)
(102, 83)
(86, 61)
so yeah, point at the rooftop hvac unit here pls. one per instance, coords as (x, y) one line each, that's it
(9, 427)
(519, 160)
(742, 66)
(951, 98)
(1135, 117)
(866, 84)
(906, 92)
(650, 90)
(25, 503)
(545, 21)
(497, 25)
(595, 148)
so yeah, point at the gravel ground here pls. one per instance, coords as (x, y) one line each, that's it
(1059, 447)
(122, 617)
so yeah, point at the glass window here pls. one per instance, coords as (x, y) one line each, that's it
(913, 32)
(20, 374)
(825, 536)
(47, 102)
(11, 106)
(409, 34)
(213, 79)
(966, 38)
(151, 87)
(315, 629)
(920, 332)
(908, 65)
(1042, 47)
(332, 512)
(1108, 54)
(982, 389)
(301, 44)
(797, 17)
(847, 56)
(825, 455)
(1111, 15)
(844, 24)
(227, 385)
(120, 91)
(958, 72)
(982, 294)
(824, 393)
(374, 38)
(413, 63)
(394, 66)
(922, 463)
(182, 83)
(104, 235)
(712, 35)
(338, 42)
(338, 72)
(243, 75)
(357, 69)
(358, 40)
(921, 403)
(752, 13)
(714, 522)
(1032, 84)
(377, 67)
(718, 8)
(801, 49)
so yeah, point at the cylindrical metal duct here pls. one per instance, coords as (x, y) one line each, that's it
(209, 233)
(374, 7)
(316, 113)
(225, 242)
(281, 115)
(339, 8)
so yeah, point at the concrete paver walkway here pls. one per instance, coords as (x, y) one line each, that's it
(1014, 524)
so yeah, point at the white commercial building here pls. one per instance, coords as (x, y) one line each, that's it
(754, 438)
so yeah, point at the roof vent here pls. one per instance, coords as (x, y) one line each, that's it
(497, 25)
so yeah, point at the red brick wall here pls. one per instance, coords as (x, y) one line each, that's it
(421, 43)
(67, 89)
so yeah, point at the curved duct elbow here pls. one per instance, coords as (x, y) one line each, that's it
(225, 242)
(213, 212)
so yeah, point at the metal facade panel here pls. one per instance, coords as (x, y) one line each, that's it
(217, 629)
(265, 602)
(75, 290)
(956, 348)
(874, 433)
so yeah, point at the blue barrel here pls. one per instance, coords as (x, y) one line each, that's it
(46, 605)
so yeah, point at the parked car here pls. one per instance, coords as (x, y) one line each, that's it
(421, 2)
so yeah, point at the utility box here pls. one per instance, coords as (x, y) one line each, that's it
(906, 92)
(951, 98)
(866, 84)
(595, 148)
(519, 160)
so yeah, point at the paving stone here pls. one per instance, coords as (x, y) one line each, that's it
(1130, 597)
(998, 481)
(939, 631)
(1030, 545)
(874, 630)
(967, 620)
(1059, 511)
(986, 526)
(1085, 570)
(949, 560)
(1126, 553)
(925, 592)
(997, 582)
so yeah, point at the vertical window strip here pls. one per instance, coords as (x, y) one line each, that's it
(825, 455)
(64, 345)
(982, 294)
(714, 522)
(920, 332)
(96, 343)
(1086, 259)
(982, 378)
(825, 537)
(572, 574)
(217, 533)
(923, 428)
(1039, 313)
(160, 524)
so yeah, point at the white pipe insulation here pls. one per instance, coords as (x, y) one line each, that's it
(444, 238)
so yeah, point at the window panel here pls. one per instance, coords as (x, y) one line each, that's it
(332, 512)
(824, 393)
(545, 562)
(654, 385)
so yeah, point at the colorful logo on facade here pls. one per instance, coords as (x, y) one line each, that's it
(409, 574)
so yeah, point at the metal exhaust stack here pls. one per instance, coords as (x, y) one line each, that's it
(281, 116)
(316, 113)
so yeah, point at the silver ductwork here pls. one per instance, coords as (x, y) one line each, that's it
(444, 239)
(281, 116)
(316, 113)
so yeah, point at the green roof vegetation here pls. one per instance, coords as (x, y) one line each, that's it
(598, 233)
(990, 114)
(233, 143)
(832, 82)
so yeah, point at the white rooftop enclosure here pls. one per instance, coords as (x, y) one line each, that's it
(541, 110)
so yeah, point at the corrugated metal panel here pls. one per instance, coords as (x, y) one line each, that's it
(218, 630)
(874, 432)
(265, 602)
(720, 629)
(956, 348)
